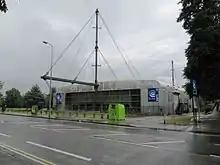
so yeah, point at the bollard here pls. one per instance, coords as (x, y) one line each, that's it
(102, 116)
(77, 114)
(93, 115)
(107, 116)
(70, 114)
(84, 115)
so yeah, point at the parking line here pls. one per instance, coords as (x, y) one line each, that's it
(2, 134)
(26, 155)
(165, 142)
(59, 151)
(126, 142)
(215, 156)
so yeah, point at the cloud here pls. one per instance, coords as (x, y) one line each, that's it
(146, 32)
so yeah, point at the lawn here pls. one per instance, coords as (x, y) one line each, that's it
(178, 120)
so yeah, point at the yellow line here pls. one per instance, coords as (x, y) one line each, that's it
(27, 155)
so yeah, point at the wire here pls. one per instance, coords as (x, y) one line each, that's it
(83, 66)
(119, 50)
(71, 42)
(108, 65)
(135, 69)
(82, 43)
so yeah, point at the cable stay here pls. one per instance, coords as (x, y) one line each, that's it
(132, 64)
(84, 65)
(111, 69)
(71, 42)
(119, 50)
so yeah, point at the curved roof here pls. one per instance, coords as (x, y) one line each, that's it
(112, 85)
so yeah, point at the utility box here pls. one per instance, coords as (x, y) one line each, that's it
(116, 112)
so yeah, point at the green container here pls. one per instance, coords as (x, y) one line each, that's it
(116, 112)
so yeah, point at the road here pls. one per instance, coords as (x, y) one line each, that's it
(50, 142)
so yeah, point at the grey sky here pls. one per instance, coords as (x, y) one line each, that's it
(146, 30)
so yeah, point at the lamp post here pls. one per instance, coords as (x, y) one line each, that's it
(51, 73)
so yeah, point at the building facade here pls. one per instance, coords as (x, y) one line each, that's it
(133, 94)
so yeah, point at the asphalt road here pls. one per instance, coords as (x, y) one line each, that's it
(50, 142)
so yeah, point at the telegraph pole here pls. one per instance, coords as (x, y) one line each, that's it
(173, 87)
(96, 48)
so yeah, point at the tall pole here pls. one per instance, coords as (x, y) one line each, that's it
(96, 49)
(51, 74)
(173, 87)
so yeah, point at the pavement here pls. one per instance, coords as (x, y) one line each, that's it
(154, 122)
(209, 124)
(50, 142)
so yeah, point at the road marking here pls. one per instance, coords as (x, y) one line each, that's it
(72, 129)
(201, 134)
(165, 142)
(59, 151)
(50, 125)
(27, 155)
(215, 156)
(115, 134)
(24, 122)
(2, 134)
(42, 128)
(125, 142)
(217, 144)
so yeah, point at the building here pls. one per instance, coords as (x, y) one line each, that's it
(136, 95)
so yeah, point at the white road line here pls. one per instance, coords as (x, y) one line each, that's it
(24, 122)
(54, 130)
(59, 151)
(72, 129)
(116, 134)
(2, 134)
(201, 134)
(215, 156)
(165, 142)
(217, 144)
(125, 142)
(50, 125)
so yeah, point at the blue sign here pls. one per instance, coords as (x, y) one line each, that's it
(58, 97)
(153, 94)
(194, 87)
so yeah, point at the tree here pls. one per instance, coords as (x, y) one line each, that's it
(3, 6)
(34, 97)
(13, 98)
(201, 20)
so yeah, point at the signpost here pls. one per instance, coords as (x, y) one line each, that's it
(194, 101)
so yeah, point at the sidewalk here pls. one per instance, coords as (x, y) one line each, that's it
(154, 122)
(209, 124)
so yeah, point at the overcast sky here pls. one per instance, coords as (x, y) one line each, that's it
(145, 30)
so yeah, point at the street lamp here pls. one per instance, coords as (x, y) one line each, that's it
(51, 73)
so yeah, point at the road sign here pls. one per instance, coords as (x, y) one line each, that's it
(194, 87)
(153, 94)
(58, 97)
